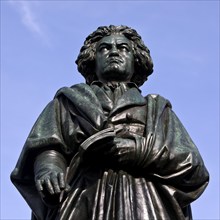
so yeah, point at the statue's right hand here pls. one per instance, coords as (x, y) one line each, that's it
(49, 173)
(51, 181)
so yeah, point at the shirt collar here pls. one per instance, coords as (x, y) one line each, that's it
(128, 85)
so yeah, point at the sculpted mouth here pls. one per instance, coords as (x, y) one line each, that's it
(115, 60)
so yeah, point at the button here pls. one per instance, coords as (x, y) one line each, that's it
(128, 116)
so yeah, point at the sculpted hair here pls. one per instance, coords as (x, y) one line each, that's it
(143, 64)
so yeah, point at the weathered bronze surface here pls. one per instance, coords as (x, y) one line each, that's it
(102, 151)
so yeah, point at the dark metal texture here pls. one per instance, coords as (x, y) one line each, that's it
(102, 151)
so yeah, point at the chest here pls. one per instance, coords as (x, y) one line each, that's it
(129, 120)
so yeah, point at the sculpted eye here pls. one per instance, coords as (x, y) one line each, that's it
(103, 48)
(124, 47)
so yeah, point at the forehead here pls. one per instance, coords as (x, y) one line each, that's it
(114, 39)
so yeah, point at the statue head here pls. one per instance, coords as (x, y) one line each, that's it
(140, 59)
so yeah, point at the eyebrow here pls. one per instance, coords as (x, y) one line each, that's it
(104, 43)
(109, 44)
(123, 43)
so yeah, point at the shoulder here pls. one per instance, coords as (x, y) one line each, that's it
(158, 100)
(67, 89)
(74, 90)
(78, 93)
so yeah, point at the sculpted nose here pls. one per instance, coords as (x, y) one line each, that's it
(113, 52)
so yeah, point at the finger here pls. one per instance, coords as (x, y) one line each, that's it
(117, 140)
(67, 188)
(54, 183)
(61, 180)
(49, 186)
(39, 185)
(119, 143)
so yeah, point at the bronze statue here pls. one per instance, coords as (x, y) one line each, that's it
(102, 151)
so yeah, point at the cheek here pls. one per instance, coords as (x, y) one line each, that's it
(130, 62)
(98, 62)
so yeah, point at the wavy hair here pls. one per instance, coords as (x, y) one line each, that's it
(143, 64)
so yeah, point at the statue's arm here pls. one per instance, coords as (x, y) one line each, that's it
(167, 156)
(173, 161)
(48, 150)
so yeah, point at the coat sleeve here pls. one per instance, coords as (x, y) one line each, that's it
(170, 158)
(45, 134)
(57, 128)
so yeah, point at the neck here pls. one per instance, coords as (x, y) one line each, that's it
(114, 82)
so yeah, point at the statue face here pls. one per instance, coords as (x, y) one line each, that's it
(114, 59)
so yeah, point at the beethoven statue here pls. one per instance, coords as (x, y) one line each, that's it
(102, 151)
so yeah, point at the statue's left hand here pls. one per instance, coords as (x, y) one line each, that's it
(127, 150)
(124, 150)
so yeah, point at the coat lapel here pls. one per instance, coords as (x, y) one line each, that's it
(132, 97)
(104, 97)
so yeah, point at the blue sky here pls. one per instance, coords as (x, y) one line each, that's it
(40, 41)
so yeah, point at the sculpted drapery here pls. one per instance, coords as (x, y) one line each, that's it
(165, 176)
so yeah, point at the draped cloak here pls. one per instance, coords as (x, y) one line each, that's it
(165, 175)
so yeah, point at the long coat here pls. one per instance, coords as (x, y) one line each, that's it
(165, 174)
